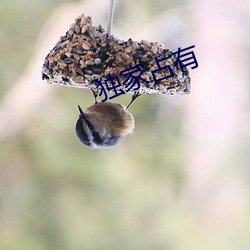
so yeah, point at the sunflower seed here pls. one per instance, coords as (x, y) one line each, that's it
(85, 46)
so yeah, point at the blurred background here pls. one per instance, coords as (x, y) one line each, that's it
(180, 182)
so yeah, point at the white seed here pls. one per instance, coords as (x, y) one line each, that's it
(118, 58)
(85, 46)
(145, 77)
(145, 42)
(61, 62)
(64, 43)
(84, 28)
(77, 79)
(120, 41)
(88, 76)
(135, 45)
(88, 62)
(162, 46)
(84, 20)
(68, 54)
(125, 56)
(95, 76)
(154, 49)
(77, 57)
(103, 37)
(128, 50)
(169, 61)
(77, 29)
(71, 32)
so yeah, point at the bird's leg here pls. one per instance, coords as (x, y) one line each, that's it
(134, 97)
(95, 94)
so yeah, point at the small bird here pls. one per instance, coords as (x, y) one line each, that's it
(104, 124)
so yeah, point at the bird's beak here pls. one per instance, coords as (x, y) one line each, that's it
(82, 115)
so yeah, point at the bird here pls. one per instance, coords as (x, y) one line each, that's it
(104, 124)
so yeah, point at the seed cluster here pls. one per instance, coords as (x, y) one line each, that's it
(87, 53)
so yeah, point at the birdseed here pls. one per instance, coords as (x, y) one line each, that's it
(87, 53)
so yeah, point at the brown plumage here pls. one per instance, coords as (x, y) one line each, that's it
(110, 117)
(104, 124)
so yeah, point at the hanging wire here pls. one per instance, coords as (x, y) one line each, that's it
(110, 15)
